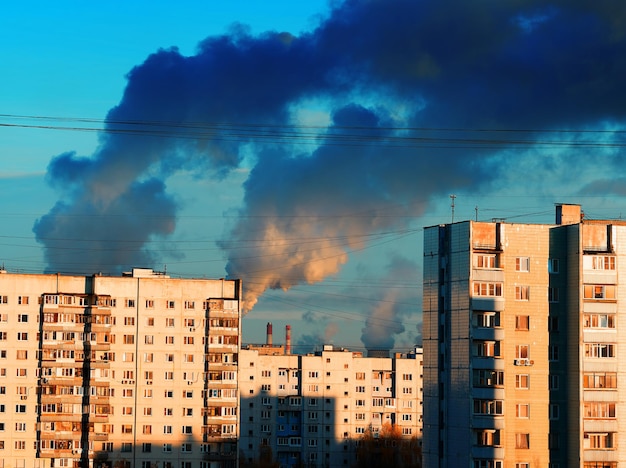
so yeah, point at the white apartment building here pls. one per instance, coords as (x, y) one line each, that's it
(316, 410)
(136, 371)
(524, 345)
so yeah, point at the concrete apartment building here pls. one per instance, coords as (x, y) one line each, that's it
(315, 410)
(523, 345)
(132, 371)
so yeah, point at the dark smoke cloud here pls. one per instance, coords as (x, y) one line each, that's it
(385, 320)
(378, 66)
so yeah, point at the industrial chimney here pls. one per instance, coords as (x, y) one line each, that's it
(288, 339)
(269, 340)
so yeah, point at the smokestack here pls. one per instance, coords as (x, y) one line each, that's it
(288, 339)
(269, 340)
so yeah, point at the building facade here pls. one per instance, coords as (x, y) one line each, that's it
(522, 343)
(132, 371)
(323, 409)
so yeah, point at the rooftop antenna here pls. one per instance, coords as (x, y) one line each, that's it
(476, 209)
(452, 197)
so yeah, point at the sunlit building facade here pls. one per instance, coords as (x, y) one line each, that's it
(138, 370)
(314, 410)
(522, 341)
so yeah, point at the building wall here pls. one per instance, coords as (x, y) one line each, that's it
(118, 371)
(553, 381)
(313, 409)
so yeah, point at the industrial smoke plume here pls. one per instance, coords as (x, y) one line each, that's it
(382, 69)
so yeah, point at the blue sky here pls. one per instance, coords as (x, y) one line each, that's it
(301, 146)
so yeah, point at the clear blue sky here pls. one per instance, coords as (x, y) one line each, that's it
(306, 163)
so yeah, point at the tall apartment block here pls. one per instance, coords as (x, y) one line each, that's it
(330, 409)
(132, 371)
(524, 348)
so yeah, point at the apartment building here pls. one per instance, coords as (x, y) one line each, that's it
(522, 343)
(322, 409)
(138, 370)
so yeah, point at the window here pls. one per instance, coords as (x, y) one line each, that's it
(522, 351)
(169, 375)
(599, 320)
(522, 410)
(188, 340)
(553, 353)
(522, 441)
(553, 294)
(167, 429)
(169, 340)
(22, 300)
(553, 382)
(170, 304)
(21, 354)
(169, 322)
(167, 448)
(522, 293)
(487, 348)
(487, 319)
(599, 440)
(522, 264)
(129, 303)
(522, 465)
(360, 376)
(599, 350)
(553, 411)
(487, 437)
(149, 339)
(603, 262)
(190, 305)
(129, 339)
(146, 447)
(488, 407)
(23, 318)
(22, 336)
(522, 322)
(488, 378)
(487, 289)
(599, 410)
(599, 291)
(485, 261)
(553, 265)
(522, 381)
(148, 357)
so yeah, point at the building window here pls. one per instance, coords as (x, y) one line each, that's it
(599, 440)
(487, 437)
(599, 410)
(522, 264)
(485, 261)
(553, 411)
(487, 319)
(553, 352)
(553, 265)
(488, 407)
(522, 441)
(22, 300)
(487, 348)
(190, 305)
(487, 463)
(522, 293)
(553, 382)
(360, 376)
(129, 339)
(170, 304)
(603, 262)
(599, 291)
(553, 294)
(522, 381)
(169, 340)
(487, 289)
(599, 320)
(522, 322)
(488, 378)
(522, 351)
(522, 410)
(129, 303)
(169, 322)
(599, 350)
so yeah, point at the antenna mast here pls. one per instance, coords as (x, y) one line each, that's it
(452, 197)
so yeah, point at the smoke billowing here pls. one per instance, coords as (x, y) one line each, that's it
(392, 76)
